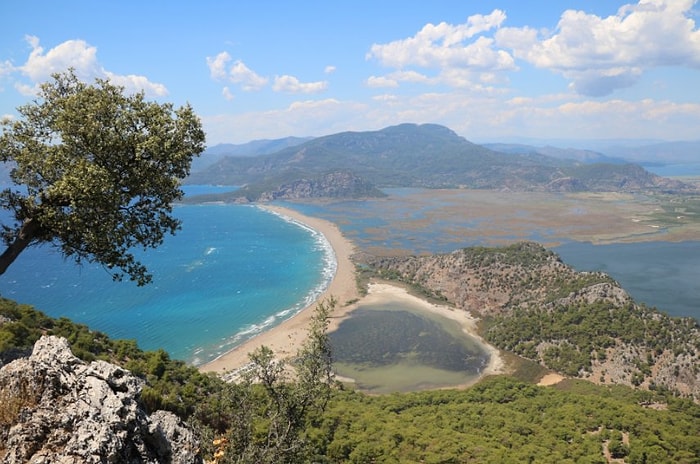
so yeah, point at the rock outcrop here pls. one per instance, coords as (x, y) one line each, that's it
(55, 408)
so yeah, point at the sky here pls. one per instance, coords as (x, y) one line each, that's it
(489, 70)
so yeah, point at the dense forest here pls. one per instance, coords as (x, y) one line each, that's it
(502, 419)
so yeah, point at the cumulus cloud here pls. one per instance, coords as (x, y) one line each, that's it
(217, 65)
(599, 55)
(381, 81)
(80, 56)
(238, 73)
(228, 95)
(444, 45)
(445, 48)
(247, 78)
(291, 84)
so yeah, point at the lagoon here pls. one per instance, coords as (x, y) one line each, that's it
(400, 346)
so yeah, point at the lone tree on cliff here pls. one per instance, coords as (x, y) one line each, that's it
(95, 173)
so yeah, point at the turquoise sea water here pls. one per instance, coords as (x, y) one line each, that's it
(230, 273)
(234, 271)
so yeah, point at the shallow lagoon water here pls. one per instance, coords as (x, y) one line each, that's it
(658, 273)
(387, 348)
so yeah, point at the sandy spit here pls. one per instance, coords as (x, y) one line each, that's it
(286, 338)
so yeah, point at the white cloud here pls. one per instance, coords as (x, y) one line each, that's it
(238, 73)
(228, 95)
(135, 83)
(71, 53)
(381, 81)
(291, 84)
(217, 65)
(6, 68)
(246, 77)
(600, 55)
(447, 45)
(455, 55)
(80, 56)
(301, 118)
(476, 116)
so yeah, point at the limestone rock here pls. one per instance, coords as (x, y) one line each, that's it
(58, 409)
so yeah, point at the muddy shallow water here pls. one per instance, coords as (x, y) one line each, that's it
(398, 347)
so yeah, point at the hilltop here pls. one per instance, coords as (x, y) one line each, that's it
(580, 324)
(422, 156)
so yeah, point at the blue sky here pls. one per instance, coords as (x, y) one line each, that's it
(489, 70)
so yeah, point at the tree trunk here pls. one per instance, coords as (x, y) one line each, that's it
(27, 233)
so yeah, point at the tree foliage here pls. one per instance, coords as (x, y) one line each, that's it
(95, 173)
(274, 405)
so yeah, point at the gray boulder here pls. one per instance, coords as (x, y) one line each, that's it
(55, 408)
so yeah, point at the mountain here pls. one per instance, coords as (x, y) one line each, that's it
(427, 156)
(255, 148)
(659, 153)
(571, 154)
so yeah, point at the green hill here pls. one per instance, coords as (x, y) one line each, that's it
(425, 156)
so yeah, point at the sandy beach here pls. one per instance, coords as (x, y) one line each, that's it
(286, 338)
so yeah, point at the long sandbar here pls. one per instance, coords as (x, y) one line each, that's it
(286, 338)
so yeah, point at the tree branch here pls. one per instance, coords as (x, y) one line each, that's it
(27, 233)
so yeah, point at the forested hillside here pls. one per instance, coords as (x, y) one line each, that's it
(580, 324)
(500, 420)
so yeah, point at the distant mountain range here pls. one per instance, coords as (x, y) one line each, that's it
(424, 156)
(255, 148)
(571, 154)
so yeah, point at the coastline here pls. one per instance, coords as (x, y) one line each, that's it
(286, 338)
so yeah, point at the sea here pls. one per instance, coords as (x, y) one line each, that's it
(232, 272)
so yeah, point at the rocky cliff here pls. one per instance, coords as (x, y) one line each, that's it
(55, 408)
(581, 324)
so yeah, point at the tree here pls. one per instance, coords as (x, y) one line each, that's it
(95, 173)
(275, 401)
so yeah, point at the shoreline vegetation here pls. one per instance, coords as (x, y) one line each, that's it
(287, 337)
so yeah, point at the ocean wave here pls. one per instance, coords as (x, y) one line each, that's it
(328, 271)
(330, 261)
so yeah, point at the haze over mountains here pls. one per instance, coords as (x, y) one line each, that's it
(423, 156)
